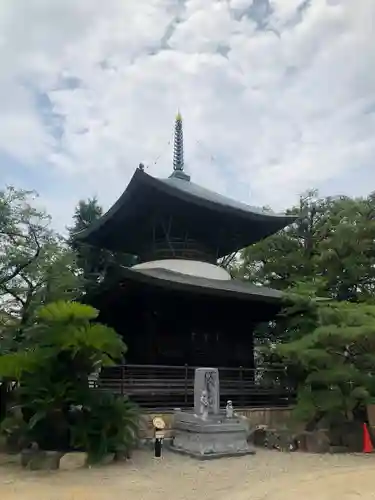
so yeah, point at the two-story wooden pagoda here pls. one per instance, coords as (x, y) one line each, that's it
(176, 306)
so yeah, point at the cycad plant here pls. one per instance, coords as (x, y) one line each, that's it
(52, 367)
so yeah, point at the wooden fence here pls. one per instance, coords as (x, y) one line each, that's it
(167, 387)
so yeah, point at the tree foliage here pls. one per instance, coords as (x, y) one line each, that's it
(22, 230)
(324, 336)
(91, 260)
(36, 265)
(96, 263)
(330, 244)
(50, 351)
(52, 367)
(330, 352)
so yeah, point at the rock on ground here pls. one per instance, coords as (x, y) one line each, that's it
(73, 461)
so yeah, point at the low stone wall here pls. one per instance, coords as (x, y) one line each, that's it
(270, 417)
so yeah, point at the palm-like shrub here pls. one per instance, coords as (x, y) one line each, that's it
(105, 424)
(60, 351)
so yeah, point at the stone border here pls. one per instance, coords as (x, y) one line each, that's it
(211, 456)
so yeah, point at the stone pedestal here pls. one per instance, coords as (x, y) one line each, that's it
(213, 438)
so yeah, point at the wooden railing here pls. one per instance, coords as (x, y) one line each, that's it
(168, 387)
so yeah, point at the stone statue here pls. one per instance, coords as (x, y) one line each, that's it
(205, 432)
(229, 411)
(205, 404)
(207, 379)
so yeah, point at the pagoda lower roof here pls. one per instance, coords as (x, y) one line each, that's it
(219, 223)
(240, 290)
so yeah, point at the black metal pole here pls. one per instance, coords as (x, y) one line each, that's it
(159, 425)
(158, 448)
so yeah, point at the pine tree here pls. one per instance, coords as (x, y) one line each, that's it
(331, 355)
(96, 263)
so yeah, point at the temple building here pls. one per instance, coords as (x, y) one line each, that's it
(176, 307)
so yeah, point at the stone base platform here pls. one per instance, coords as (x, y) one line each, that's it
(210, 456)
(216, 437)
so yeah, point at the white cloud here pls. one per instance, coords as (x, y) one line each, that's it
(276, 95)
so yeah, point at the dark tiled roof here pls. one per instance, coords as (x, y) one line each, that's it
(216, 198)
(219, 223)
(235, 288)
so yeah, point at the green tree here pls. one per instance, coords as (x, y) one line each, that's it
(22, 228)
(53, 275)
(331, 354)
(345, 255)
(52, 367)
(36, 267)
(91, 260)
(96, 263)
(331, 243)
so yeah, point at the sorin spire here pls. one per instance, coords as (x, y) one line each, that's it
(178, 147)
(178, 150)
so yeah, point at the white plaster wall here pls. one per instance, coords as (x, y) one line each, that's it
(190, 267)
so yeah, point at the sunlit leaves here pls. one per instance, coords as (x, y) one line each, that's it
(13, 365)
(97, 337)
(69, 312)
(63, 326)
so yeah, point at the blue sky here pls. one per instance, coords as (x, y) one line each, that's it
(277, 96)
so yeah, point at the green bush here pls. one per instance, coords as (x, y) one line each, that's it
(59, 410)
(106, 424)
(14, 429)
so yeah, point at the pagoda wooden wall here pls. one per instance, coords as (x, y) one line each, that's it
(175, 328)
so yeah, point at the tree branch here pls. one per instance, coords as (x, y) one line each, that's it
(18, 269)
(13, 294)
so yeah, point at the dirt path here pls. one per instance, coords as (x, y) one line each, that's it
(265, 476)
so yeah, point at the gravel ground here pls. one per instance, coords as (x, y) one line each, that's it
(268, 476)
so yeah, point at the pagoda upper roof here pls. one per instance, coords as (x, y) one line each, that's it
(210, 218)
